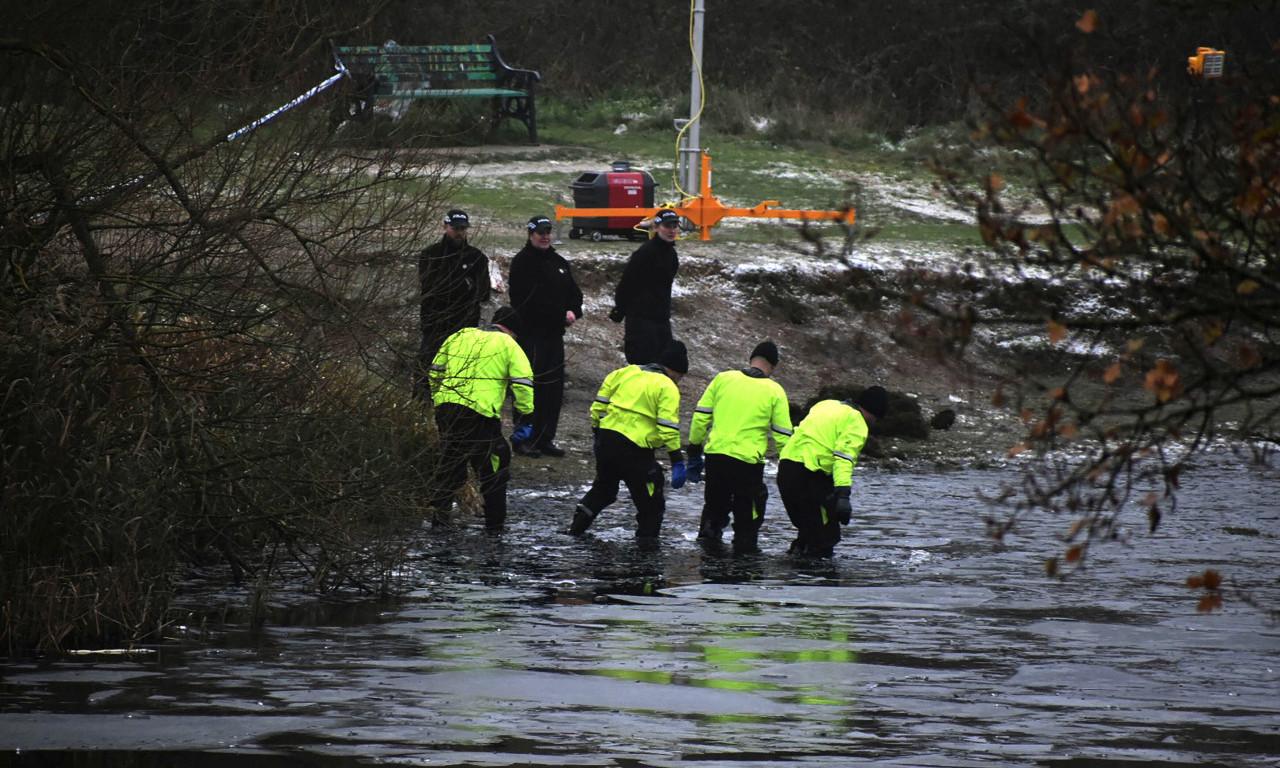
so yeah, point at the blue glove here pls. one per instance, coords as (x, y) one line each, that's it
(678, 474)
(522, 433)
(595, 443)
(695, 468)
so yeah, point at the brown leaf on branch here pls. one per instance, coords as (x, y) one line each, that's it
(1123, 205)
(1057, 332)
(1164, 381)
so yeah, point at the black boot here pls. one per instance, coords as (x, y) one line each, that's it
(710, 537)
(582, 520)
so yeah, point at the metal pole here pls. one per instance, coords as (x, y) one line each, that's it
(689, 170)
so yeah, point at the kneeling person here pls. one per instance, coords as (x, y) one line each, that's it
(469, 379)
(636, 411)
(815, 468)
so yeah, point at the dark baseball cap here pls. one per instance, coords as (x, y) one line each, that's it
(668, 217)
(539, 224)
(457, 219)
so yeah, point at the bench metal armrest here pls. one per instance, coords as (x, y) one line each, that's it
(509, 76)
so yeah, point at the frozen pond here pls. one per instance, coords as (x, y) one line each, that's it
(922, 643)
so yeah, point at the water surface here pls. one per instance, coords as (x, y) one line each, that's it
(922, 643)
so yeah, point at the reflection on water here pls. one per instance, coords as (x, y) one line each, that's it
(921, 643)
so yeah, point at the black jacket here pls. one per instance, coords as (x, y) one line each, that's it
(645, 288)
(542, 289)
(453, 282)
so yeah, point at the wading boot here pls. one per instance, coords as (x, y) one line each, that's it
(527, 450)
(551, 449)
(582, 520)
(710, 537)
(647, 531)
(647, 543)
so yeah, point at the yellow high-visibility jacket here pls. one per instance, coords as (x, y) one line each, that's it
(475, 366)
(642, 403)
(829, 440)
(740, 410)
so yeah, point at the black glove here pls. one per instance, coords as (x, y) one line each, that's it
(617, 315)
(696, 463)
(841, 507)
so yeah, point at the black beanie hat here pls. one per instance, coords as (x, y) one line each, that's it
(675, 357)
(874, 400)
(766, 349)
(505, 317)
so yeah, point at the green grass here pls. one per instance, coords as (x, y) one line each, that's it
(748, 168)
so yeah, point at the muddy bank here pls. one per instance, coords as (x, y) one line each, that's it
(832, 326)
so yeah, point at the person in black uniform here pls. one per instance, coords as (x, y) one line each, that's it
(643, 296)
(453, 281)
(548, 300)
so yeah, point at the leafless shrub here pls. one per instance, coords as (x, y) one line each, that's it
(201, 337)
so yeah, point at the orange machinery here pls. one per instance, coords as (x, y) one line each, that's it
(705, 211)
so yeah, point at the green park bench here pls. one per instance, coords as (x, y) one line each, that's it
(410, 72)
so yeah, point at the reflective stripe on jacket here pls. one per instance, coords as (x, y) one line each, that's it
(740, 410)
(475, 366)
(829, 440)
(642, 403)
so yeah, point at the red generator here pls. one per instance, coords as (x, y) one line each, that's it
(620, 187)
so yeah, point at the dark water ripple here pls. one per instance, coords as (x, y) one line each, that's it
(922, 643)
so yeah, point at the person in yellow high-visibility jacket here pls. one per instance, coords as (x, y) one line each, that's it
(636, 411)
(469, 380)
(815, 468)
(737, 414)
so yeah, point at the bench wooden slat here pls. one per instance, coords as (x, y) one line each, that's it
(433, 59)
(348, 50)
(446, 79)
(451, 93)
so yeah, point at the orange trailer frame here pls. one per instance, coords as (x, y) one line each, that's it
(706, 211)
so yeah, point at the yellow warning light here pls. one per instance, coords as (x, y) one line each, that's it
(1206, 63)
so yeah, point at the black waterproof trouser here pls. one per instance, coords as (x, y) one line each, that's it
(806, 495)
(622, 461)
(644, 339)
(546, 357)
(468, 439)
(734, 487)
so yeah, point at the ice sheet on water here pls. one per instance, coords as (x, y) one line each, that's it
(916, 596)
